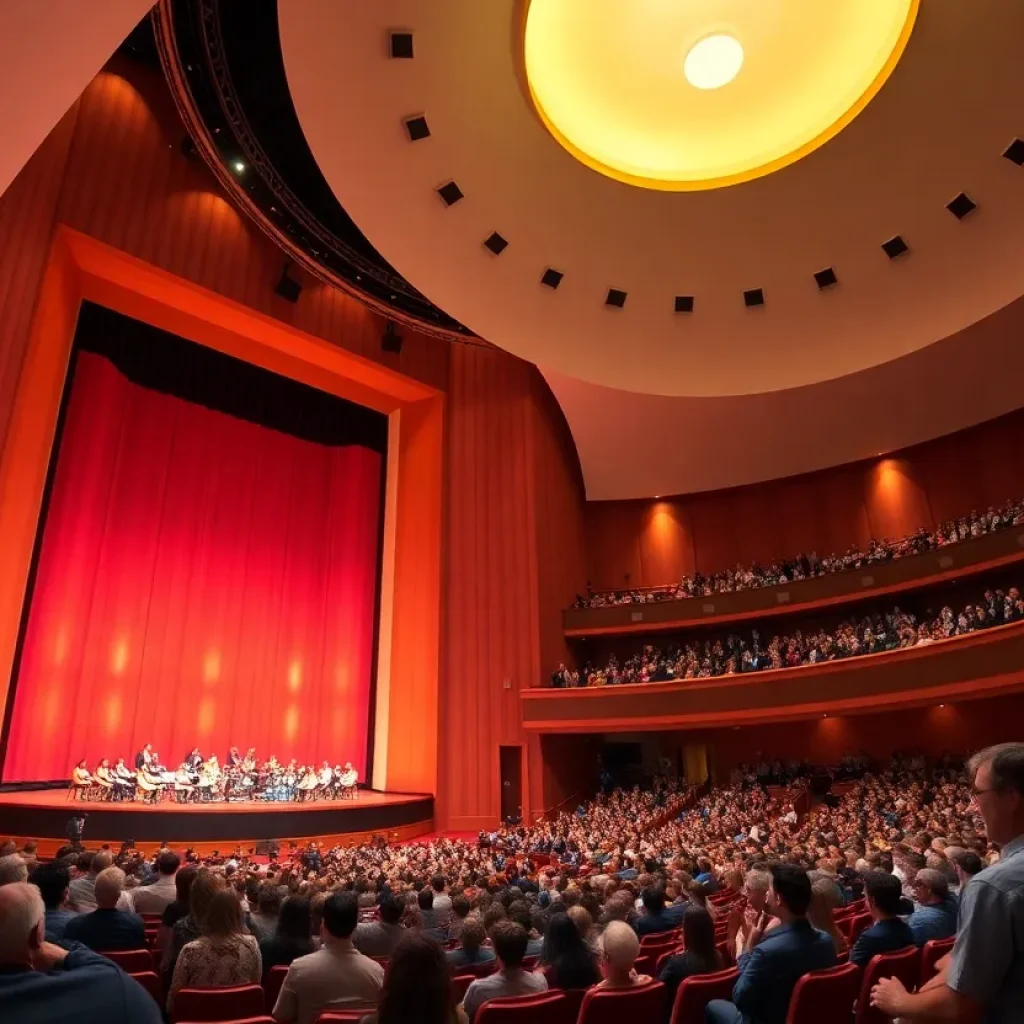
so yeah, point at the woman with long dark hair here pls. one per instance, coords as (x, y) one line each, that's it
(699, 956)
(293, 936)
(417, 986)
(568, 961)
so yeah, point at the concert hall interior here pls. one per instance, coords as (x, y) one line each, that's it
(423, 421)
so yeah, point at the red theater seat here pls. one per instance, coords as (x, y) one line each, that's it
(217, 1004)
(262, 1019)
(931, 953)
(615, 1005)
(824, 995)
(150, 981)
(272, 986)
(542, 1008)
(853, 926)
(696, 992)
(904, 964)
(131, 961)
(459, 985)
(341, 1016)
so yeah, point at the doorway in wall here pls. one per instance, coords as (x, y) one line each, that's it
(511, 782)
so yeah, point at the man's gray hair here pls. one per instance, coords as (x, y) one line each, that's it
(21, 912)
(12, 869)
(109, 884)
(935, 880)
(1007, 760)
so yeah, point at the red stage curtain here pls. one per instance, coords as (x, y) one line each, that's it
(202, 581)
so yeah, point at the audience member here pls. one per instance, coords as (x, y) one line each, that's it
(337, 976)
(205, 886)
(379, 938)
(81, 895)
(155, 898)
(699, 954)
(654, 919)
(889, 932)
(224, 955)
(772, 964)
(178, 908)
(825, 898)
(293, 937)
(569, 963)
(417, 987)
(472, 951)
(619, 949)
(937, 908)
(42, 983)
(509, 940)
(52, 881)
(460, 908)
(268, 906)
(107, 928)
(442, 904)
(13, 869)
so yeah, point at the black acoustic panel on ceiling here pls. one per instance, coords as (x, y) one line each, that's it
(826, 278)
(1014, 152)
(754, 297)
(450, 193)
(495, 243)
(895, 247)
(401, 45)
(962, 205)
(551, 278)
(288, 288)
(417, 128)
(684, 304)
(615, 297)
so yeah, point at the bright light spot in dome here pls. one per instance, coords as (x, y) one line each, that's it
(713, 62)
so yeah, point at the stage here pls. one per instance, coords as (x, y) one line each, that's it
(43, 815)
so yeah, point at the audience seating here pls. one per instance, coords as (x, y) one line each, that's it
(614, 1005)
(904, 964)
(459, 985)
(484, 970)
(824, 995)
(931, 953)
(150, 981)
(541, 1008)
(341, 1016)
(131, 961)
(272, 986)
(530, 962)
(855, 924)
(722, 945)
(697, 991)
(665, 957)
(217, 1004)
(261, 1019)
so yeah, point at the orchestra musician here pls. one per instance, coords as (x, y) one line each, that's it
(194, 762)
(349, 778)
(324, 778)
(124, 781)
(104, 779)
(234, 758)
(81, 780)
(307, 782)
(144, 756)
(150, 786)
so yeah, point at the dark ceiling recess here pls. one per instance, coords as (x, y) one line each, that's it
(450, 193)
(895, 247)
(417, 128)
(401, 45)
(615, 297)
(826, 278)
(552, 278)
(754, 297)
(962, 205)
(684, 304)
(1014, 152)
(495, 243)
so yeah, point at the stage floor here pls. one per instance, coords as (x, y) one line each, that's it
(43, 815)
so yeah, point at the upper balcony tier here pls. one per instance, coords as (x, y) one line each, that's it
(975, 665)
(954, 562)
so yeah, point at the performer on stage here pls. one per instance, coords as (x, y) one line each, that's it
(104, 779)
(194, 761)
(124, 781)
(144, 756)
(234, 758)
(349, 778)
(81, 779)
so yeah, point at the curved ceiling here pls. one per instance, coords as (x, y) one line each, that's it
(622, 259)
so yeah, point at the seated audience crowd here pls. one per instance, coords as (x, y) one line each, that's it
(704, 880)
(807, 566)
(749, 652)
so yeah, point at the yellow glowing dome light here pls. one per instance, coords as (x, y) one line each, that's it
(696, 94)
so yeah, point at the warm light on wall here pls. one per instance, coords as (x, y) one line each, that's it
(291, 722)
(211, 667)
(119, 656)
(60, 646)
(295, 676)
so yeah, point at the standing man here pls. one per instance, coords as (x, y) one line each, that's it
(983, 978)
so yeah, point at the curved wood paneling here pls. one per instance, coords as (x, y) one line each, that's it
(977, 664)
(995, 550)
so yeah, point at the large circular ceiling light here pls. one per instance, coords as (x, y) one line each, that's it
(635, 88)
(714, 61)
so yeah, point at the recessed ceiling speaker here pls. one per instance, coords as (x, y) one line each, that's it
(391, 340)
(551, 278)
(450, 193)
(1014, 152)
(495, 243)
(962, 205)
(826, 278)
(615, 297)
(287, 287)
(684, 304)
(754, 297)
(417, 128)
(895, 247)
(401, 45)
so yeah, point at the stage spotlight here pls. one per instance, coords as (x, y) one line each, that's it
(239, 166)
(287, 287)
(391, 340)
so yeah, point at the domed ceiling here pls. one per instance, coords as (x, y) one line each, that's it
(741, 241)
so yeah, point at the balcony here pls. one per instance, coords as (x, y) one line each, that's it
(957, 561)
(977, 665)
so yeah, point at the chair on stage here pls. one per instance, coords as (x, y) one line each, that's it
(272, 986)
(131, 961)
(931, 953)
(904, 964)
(536, 1008)
(150, 981)
(614, 1005)
(824, 995)
(217, 1004)
(698, 990)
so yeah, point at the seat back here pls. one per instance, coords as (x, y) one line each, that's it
(697, 991)
(663, 958)
(131, 961)
(824, 995)
(459, 985)
(540, 1008)
(150, 981)
(931, 953)
(853, 926)
(272, 986)
(614, 1005)
(217, 1004)
(904, 964)
(261, 1019)
(341, 1016)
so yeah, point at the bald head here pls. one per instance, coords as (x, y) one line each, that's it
(100, 862)
(21, 922)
